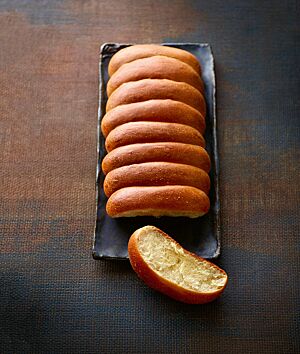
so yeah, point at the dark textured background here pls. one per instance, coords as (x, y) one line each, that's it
(54, 298)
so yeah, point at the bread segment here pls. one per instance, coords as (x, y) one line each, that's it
(158, 201)
(156, 67)
(151, 132)
(148, 89)
(157, 152)
(168, 111)
(168, 268)
(156, 174)
(139, 51)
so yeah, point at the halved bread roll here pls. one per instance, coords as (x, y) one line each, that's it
(157, 152)
(155, 111)
(158, 201)
(156, 174)
(156, 67)
(139, 51)
(170, 269)
(151, 132)
(148, 89)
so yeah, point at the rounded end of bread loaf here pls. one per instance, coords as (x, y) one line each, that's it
(155, 67)
(168, 268)
(139, 51)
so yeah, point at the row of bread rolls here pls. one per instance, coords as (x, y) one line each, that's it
(154, 124)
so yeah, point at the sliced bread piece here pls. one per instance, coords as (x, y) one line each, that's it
(168, 268)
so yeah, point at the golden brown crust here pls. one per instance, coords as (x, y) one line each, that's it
(158, 283)
(152, 132)
(153, 110)
(135, 52)
(148, 89)
(158, 201)
(156, 174)
(156, 67)
(154, 152)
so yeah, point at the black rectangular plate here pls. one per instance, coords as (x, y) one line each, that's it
(200, 235)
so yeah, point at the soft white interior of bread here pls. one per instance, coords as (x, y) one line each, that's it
(170, 261)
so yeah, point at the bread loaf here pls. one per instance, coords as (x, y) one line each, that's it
(157, 152)
(158, 201)
(134, 52)
(157, 67)
(155, 111)
(152, 132)
(156, 174)
(155, 117)
(148, 89)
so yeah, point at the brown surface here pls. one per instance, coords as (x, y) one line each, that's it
(53, 294)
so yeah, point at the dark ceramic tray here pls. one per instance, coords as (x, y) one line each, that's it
(200, 235)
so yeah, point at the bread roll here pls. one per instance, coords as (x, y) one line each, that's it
(165, 152)
(152, 132)
(157, 67)
(167, 267)
(156, 174)
(148, 89)
(158, 201)
(134, 52)
(155, 111)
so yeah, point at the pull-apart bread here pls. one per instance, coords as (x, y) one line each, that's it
(154, 124)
